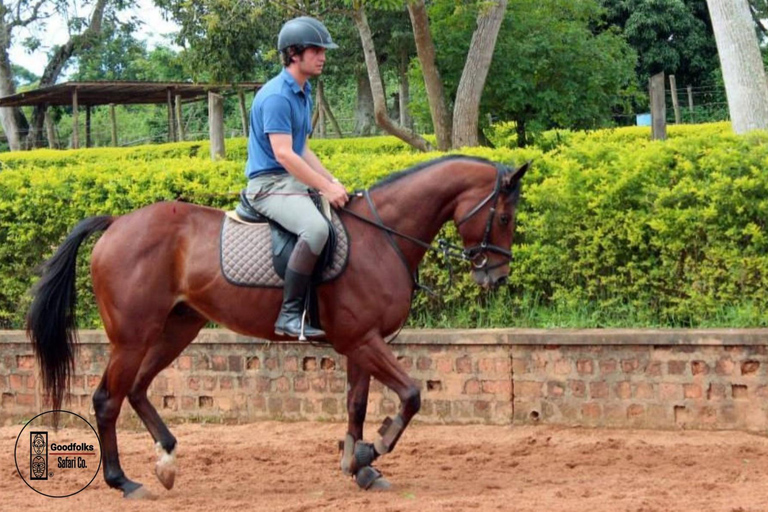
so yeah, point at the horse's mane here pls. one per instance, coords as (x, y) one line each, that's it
(423, 165)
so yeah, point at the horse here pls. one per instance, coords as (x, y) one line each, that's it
(157, 281)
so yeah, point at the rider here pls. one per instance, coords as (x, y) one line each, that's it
(281, 167)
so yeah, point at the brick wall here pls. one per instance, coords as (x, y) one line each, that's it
(650, 379)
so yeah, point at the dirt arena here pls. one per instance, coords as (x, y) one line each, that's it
(294, 467)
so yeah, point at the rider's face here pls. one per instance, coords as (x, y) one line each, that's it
(312, 61)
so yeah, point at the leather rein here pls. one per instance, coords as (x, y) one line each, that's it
(477, 254)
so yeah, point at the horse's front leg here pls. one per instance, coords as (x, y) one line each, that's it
(359, 382)
(374, 357)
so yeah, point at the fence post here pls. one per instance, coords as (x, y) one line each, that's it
(75, 132)
(675, 104)
(658, 107)
(179, 120)
(216, 125)
(243, 112)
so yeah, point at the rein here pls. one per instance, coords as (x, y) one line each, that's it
(477, 254)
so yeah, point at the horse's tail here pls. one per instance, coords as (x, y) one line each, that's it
(51, 320)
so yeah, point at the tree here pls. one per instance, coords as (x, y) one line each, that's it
(670, 36)
(742, 64)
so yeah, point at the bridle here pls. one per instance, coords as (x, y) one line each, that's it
(477, 255)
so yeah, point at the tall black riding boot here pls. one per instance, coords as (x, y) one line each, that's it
(297, 277)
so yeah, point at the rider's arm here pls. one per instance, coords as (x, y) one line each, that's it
(315, 162)
(282, 146)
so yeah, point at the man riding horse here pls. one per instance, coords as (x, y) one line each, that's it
(281, 167)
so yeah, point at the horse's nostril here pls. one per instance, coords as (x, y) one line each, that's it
(502, 281)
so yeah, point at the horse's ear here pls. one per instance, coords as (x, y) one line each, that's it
(511, 178)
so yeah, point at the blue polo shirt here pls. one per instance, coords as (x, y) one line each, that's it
(280, 106)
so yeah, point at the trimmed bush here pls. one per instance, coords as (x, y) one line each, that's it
(612, 229)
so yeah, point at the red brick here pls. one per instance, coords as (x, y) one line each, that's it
(25, 399)
(555, 389)
(670, 391)
(623, 390)
(17, 382)
(203, 362)
(699, 368)
(482, 409)
(724, 367)
(300, 384)
(472, 387)
(444, 365)
(406, 362)
(424, 363)
(630, 365)
(750, 367)
(319, 383)
(78, 382)
(193, 383)
(328, 364)
(309, 364)
(520, 366)
(271, 363)
(93, 381)
(188, 403)
(282, 385)
(528, 389)
(209, 383)
(562, 367)
(692, 391)
(497, 387)
(252, 363)
(607, 366)
(653, 369)
(26, 362)
(185, 363)
(591, 410)
(7, 400)
(635, 410)
(3, 382)
(676, 367)
(644, 391)
(219, 363)
(598, 389)
(464, 364)
(225, 383)
(257, 402)
(338, 384)
(292, 404)
(169, 402)
(584, 366)
(716, 392)
(291, 364)
(235, 363)
(578, 388)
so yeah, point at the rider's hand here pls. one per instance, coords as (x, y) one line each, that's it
(336, 194)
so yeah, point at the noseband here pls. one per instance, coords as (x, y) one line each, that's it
(477, 255)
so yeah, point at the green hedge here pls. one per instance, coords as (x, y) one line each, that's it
(612, 230)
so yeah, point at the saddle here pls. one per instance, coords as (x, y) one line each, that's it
(254, 251)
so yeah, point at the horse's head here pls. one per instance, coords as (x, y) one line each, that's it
(487, 225)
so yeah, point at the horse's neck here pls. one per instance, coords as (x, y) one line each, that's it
(419, 205)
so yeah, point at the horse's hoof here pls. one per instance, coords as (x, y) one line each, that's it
(370, 479)
(165, 469)
(139, 493)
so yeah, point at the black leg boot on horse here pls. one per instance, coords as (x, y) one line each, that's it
(297, 277)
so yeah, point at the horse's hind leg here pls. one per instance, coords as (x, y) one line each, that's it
(123, 364)
(180, 329)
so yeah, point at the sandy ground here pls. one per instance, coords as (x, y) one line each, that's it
(294, 467)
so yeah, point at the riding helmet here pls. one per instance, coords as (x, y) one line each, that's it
(304, 31)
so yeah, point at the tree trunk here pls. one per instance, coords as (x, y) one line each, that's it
(364, 107)
(377, 86)
(405, 92)
(466, 111)
(329, 113)
(319, 109)
(742, 65)
(520, 129)
(8, 115)
(425, 48)
(59, 59)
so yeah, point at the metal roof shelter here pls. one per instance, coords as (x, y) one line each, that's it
(112, 93)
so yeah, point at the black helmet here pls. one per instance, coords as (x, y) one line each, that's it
(304, 31)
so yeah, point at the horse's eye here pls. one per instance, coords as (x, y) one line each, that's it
(504, 218)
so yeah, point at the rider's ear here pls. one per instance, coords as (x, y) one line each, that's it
(511, 178)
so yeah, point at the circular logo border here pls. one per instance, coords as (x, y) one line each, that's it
(16, 446)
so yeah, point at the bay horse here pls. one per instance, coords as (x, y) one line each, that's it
(157, 281)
